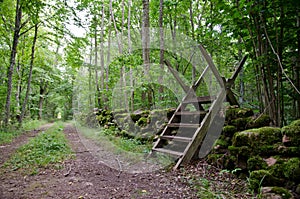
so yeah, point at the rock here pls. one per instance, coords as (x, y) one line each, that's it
(262, 177)
(142, 121)
(241, 123)
(229, 130)
(292, 132)
(257, 137)
(292, 169)
(256, 163)
(275, 193)
(298, 189)
(261, 121)
(233, 112)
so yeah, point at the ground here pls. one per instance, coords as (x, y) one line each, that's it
(87, 177)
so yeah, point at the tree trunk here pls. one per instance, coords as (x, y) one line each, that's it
(145, 44)
(43, 88)
(162, 46)
(90, 79)
(12, 61)
(29, 75)
(103, 97)
(297, 68)
(98, 98)
(130, 51)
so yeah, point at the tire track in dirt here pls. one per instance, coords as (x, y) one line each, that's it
(86, 177)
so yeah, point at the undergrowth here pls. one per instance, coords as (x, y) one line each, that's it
(48, 149)
(8, 134)
(120, 143)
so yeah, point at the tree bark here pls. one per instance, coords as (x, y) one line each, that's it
(103, 97)
(12, 61)
(145, 46)
(297, 68)
(43, 88)
(30, 74)
(162, 46)
(130, 51)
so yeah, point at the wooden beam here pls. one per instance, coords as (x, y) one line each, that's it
(175, 74)
(212, 65)
(202, 130)
(238, 69)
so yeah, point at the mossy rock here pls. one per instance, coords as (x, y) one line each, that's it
(241, 123)
(233, 112)
(119, 111)
(170, 112)
(259, 178)
(292, 132)
(229, 130)
(257, 137)
(243, 151)
(135, 117)
(295, 123)
(266, 150)
(275, 192)
(142, 122)
(261, 121)
(121, 115)
(221, 143)
(288, 151)
(292, 169)
(256, 163)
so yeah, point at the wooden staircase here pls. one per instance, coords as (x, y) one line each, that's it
(186, 129)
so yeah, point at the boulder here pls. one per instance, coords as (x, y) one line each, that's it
(257, 137)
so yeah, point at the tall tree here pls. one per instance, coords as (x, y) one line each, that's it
(12, 63)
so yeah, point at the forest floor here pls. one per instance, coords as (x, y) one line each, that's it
(86, 177)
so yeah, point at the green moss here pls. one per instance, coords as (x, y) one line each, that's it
(261, 121)
(284, 193)
(142, 121)
(229, 130)
(288, 151)
(265, 150)
(259, 178)
(256, 163)
(257, 137)
(295, 123)
(243, 151)
(292, 169)
(293, 133)
(221, 142)
(233, 112)
(213, 158)
(135, 117)
(241, 123)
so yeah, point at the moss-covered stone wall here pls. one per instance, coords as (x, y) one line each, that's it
(268, 156)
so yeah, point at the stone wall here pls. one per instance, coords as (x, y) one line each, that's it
(267, 156)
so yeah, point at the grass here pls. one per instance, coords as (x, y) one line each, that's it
(7, 135)
(48, 149)
(107, 137)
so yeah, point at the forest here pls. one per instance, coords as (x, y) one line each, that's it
(95, 62)
(42, 54)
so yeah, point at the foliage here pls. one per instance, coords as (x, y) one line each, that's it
(7, 135)
(46, 150)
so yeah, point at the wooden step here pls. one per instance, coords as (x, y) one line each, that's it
(177, 138)
(188, 113)
(175, 153)
(201, 100)
(184, 125)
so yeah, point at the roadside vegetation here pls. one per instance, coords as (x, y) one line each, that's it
(47, 150)
(7, 135)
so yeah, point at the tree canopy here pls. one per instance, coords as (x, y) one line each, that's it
(44, 58)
